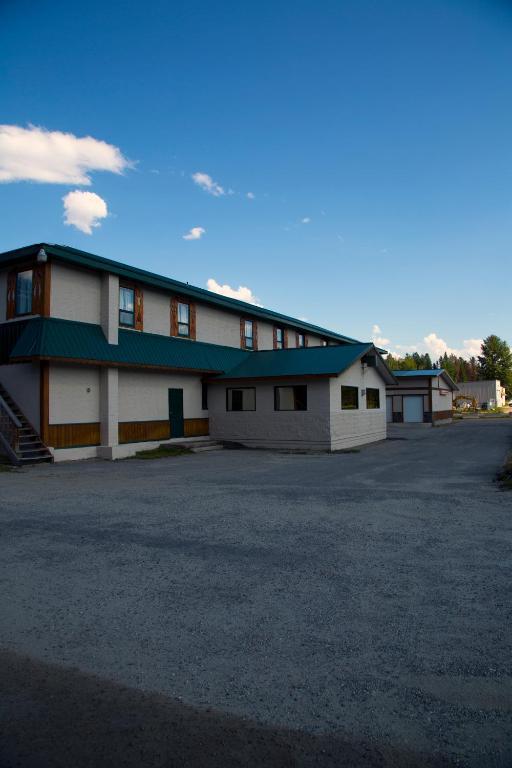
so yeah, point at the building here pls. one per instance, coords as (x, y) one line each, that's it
(489, 394)
(420, 397)
(98, 358)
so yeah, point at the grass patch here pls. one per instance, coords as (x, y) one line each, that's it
(6, 467)
(504, 476)
(162, 452)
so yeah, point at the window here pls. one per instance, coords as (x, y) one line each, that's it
(323, 343)
(301, 340)
(24, 292)
(248, 334)
(183, 319)
(291, 398)
(279, 338)
(204, 396)
(126, 306)
(243, 399)
(349, 398)
(372, 398)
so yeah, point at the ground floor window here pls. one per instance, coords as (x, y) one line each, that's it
(372, 398)
(291, 398)
(204, 396)
(242, 399)
(349, 398)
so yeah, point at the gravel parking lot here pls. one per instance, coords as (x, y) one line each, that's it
(253, 608)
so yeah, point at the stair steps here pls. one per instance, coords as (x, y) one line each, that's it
(31, 449)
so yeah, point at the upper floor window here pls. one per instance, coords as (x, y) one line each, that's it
(372, 398)
(127, 306)
(301, 340)
(248, 334)
(349, 398)
(241, 399)
(183, 319)
(291, 398)
(323, 343)
(279, 338)
(23, 300)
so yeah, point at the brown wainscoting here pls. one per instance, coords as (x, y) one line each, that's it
(143, 431)
(196, 427)
(73, 435)
(439, 415)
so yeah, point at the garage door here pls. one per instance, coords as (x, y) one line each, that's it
(413, 408)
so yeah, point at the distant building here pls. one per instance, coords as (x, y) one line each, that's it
(424, 396)
(490, 392)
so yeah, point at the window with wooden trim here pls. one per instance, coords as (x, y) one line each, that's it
(349, 398)
(240, 399)
(248, 334)
(183, 319)
(127, 306)
(293, 398)
(279, 337)
(300, 340)
(373, 398)
(23, 292)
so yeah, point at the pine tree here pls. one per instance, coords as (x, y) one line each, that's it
(496, 361)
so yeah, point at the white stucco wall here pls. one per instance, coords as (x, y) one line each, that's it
(70, 402)
(157, 312)
(364, 425)
(266, 427)
(3, 295)
(441, 402)
(75, 294)
(144, 396)
(22, 383)
(265, 335)
(217, 327)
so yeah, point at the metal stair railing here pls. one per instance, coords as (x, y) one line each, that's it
(10, 427)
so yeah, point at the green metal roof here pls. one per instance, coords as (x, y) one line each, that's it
(90, 260)
(67, 339)
(307, 361)
(57, 339)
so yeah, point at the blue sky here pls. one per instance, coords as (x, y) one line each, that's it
(375, 138)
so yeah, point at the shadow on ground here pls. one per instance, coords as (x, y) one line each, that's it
(56, 717)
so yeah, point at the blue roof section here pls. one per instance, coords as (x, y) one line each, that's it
(91, 261)
(426, 373)
(420, 372)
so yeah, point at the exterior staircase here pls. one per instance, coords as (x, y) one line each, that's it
(197, 446)
(19, 440)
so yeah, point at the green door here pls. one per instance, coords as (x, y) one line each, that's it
(176, 412)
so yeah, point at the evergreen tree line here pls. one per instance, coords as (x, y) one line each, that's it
(493, 362)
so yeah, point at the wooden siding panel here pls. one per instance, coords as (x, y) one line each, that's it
(11, 295)
(196, 427)
(192, 320)
(73, 435)
(143, 431)
(174, 316)
(139, 309)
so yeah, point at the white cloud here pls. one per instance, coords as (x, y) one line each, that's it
(83, 210)
(251, 195)
(305, 220)
(436, 347)
(242, 292)
(53, 157)
(206, 183)
(376, 329)
(195, 233)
